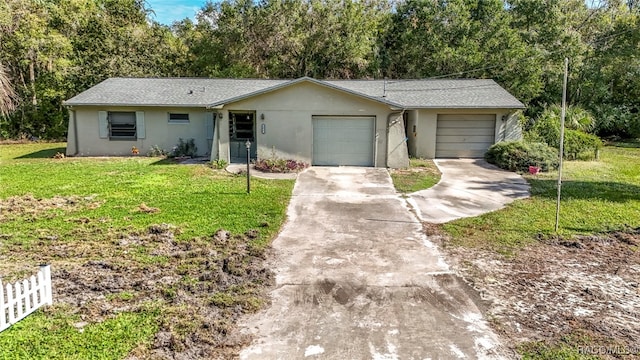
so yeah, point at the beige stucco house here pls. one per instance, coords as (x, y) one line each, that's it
(321, 122)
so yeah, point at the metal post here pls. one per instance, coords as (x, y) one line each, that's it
(248, 145)
(562, 116)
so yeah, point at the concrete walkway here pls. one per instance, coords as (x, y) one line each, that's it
(468, 187)
(356, 278)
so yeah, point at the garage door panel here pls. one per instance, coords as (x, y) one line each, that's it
(343, 141)
(464, 139)
(448, 124)
(461, 153)
(474, 117)
(468, 146)
(466, 135)
(465, 131)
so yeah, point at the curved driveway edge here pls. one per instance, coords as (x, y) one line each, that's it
(468, 187)
(356, 278)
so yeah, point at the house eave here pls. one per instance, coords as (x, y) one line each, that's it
(68, 104)
(492, 107)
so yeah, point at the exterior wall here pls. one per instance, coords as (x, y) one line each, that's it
(412, 131)
(71, 134)
(397, 152)
(158, 131)
(427, 123)
(288, 125)
(511, 129)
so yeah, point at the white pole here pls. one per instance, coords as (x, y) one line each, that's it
(562, 116)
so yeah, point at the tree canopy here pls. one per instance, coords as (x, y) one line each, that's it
(51, 50)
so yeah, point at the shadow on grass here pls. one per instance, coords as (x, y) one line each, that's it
(629, 143)
(43, 154)
(165, 161)
(586, 190)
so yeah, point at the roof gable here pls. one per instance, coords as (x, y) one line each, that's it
(321, 83)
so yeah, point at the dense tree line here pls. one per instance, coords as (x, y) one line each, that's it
(51, 50)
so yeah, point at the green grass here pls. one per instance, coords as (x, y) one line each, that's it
(421, 174)
(45, 335)
(196, 199)
(597, 196)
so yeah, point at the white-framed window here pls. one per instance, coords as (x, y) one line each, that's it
(122, 125)
(178, 118)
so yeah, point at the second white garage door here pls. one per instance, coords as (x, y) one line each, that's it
(343, 140)
(464, 136)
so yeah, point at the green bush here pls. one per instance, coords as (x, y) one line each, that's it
(219, 163)
(519, 155)
(619, 121)
(156, 151)
(185, 148)
(579, 145)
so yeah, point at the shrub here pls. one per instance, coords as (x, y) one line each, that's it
(620, 121)
(579, 145)
(275, 165)
(219, 164)
(183, 148)
(519, 155)
(576, 118)
(157, 151)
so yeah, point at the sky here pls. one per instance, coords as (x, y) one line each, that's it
(168, 11)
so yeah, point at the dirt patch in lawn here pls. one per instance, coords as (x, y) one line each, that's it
(579, 291)
(31, 208)
(201, 286)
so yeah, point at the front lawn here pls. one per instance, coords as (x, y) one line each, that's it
(141, 251)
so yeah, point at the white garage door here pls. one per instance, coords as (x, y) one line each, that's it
(464, 136)
(343, 140)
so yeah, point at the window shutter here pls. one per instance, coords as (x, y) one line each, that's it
(209, 122)
(103, 124)
(140, 124)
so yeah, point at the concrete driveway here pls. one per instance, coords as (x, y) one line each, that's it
(357, 279)
(468, 187)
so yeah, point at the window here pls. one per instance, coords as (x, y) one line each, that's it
(241, 126)
(122, 125)
(178, 118)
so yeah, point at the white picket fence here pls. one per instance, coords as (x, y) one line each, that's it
(24, 297)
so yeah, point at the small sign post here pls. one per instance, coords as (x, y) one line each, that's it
(248, 145)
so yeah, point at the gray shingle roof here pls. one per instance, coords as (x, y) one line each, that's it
(187, 92)
(448, 93)
(190, 92)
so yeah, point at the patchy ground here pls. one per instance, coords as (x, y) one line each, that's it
(31, 208)
(201, 286)
(575, 292)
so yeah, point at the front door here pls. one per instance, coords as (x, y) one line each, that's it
(242, 126)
